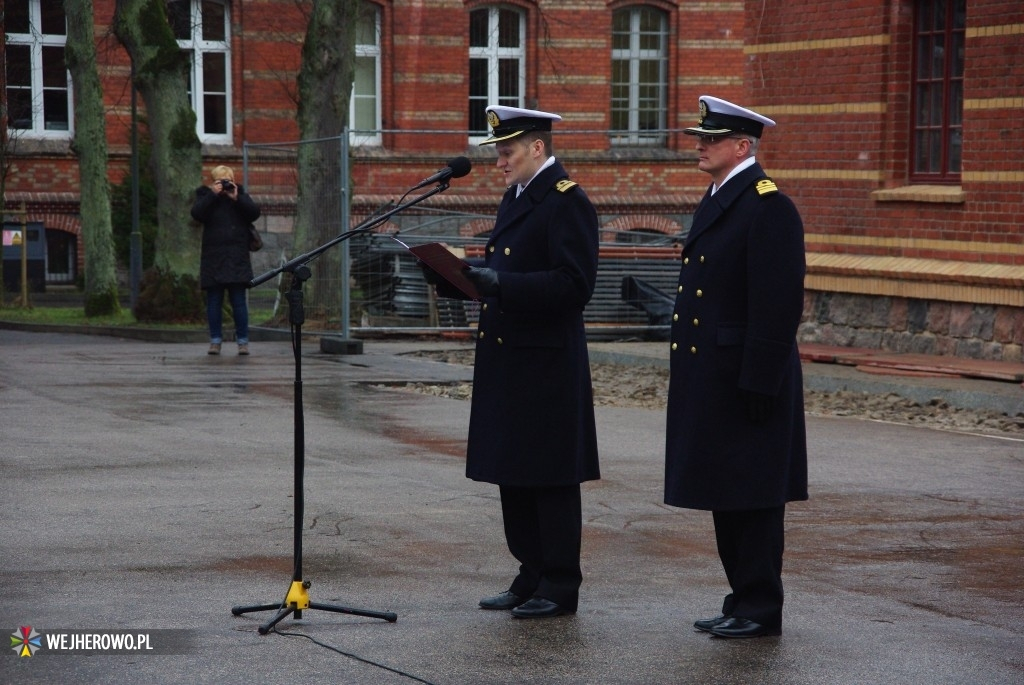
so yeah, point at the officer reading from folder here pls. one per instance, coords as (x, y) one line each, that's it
(531, 426)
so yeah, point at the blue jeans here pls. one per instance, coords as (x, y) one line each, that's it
(239, 310)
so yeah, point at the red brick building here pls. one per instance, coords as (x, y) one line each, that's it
(897, 128)
(897, 138)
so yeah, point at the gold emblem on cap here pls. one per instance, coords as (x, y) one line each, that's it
(703, 112)
(492, 119)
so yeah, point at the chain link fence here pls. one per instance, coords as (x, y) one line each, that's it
(370, 285)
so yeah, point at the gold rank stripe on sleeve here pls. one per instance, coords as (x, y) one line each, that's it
(565, 185)
(766, 186)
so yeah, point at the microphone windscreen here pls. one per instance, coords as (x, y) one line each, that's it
(460, 166)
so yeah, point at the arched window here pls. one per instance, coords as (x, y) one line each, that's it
(643, 236)
(37, 80)
(639, 76)
(497, 63)
(203, 30)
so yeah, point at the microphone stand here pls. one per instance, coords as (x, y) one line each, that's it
(297, 599)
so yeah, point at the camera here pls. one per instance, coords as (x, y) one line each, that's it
(227, 185)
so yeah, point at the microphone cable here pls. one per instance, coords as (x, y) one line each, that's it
(342, 652)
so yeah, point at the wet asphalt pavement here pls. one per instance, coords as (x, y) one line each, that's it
(146, 485)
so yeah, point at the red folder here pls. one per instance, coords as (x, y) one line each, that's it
(447, 265)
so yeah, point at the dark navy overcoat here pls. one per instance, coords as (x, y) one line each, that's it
(738, 305)
(225, 256)
(532, 415)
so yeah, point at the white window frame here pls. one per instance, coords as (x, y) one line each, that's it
(197, 47)
(364, 50)
(493, 53)
(36, 41)
(634, 55)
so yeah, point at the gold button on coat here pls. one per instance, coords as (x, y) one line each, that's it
(700, 293)
(675, 317)
(675, 347)
(508, 251)
(693, 350)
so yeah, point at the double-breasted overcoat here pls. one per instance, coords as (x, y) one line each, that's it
(532, 414)
(738, 305)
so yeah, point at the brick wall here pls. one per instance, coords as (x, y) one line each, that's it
(835, 75)
(837, 78)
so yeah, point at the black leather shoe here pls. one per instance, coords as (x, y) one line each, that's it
(706, 624)
(506, 600)
(538, 607)
(742, 627)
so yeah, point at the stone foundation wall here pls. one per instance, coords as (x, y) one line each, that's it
(913, 326)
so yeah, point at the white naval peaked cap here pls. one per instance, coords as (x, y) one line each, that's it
(718, 117)
(509, 122)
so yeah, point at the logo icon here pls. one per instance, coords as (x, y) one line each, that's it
(26, 641)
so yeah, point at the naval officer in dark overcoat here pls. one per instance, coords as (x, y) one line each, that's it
(736, 443)
(531, 426)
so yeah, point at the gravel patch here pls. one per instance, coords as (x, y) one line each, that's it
(646, 386)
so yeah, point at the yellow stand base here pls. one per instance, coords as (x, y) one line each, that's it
(298, 595)
(297, 601)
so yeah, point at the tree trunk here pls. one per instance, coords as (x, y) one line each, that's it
(161, 72)
(325, 87)
(90, 145)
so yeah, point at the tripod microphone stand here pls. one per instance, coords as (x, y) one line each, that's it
(297, 599)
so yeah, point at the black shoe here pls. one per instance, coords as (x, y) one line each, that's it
(706, 624)
(506, 600)
(742, 627)
(538, 607)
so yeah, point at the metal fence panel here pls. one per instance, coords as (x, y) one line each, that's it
(383, 286)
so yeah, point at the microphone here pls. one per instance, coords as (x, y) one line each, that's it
(455, 168)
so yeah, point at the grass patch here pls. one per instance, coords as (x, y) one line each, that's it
(75, 316)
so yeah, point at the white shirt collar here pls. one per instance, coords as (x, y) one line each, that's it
(749, 161)
(547, 162)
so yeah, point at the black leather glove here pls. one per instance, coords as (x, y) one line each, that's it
(429, 275)
(759, 406)
(485, 280)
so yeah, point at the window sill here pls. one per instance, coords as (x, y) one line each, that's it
(922, 193)
(28, 146)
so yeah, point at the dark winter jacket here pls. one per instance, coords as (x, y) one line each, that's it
(225, 256)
